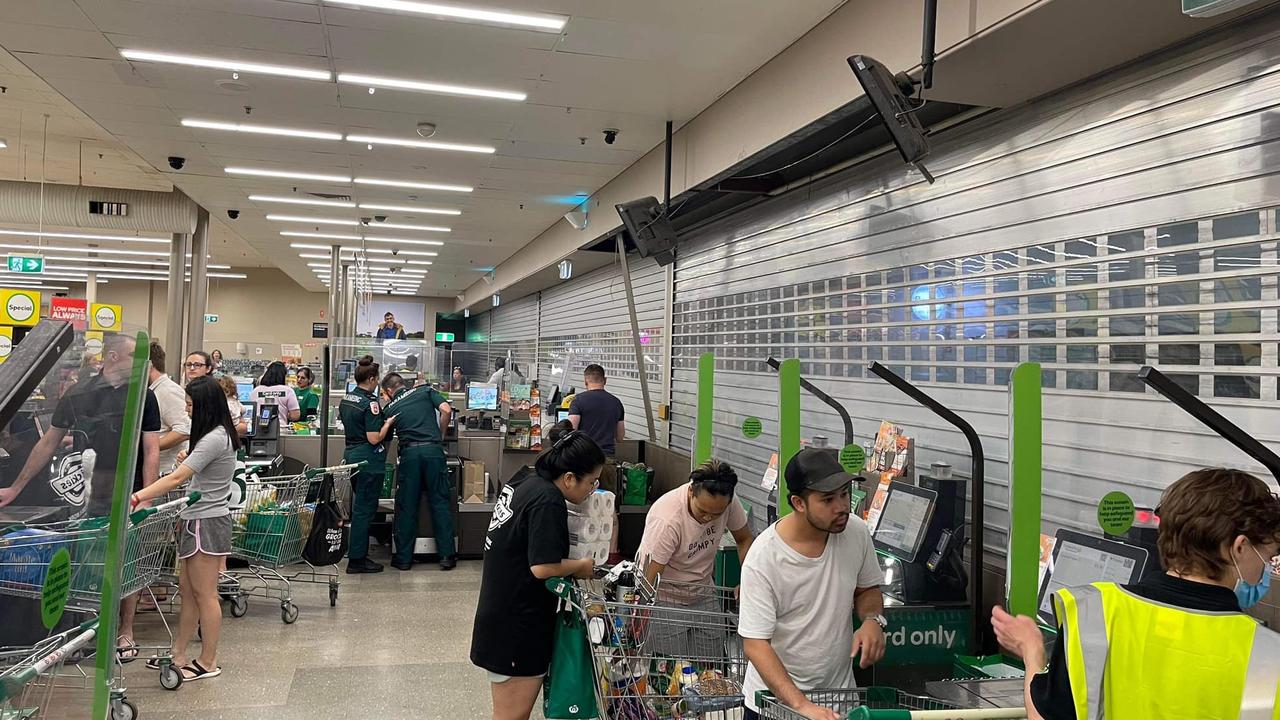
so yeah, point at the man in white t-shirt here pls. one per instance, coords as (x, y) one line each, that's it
(806, 579)
(175, 424)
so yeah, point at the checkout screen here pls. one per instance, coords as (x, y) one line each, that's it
(902, 522)
(1076, 565)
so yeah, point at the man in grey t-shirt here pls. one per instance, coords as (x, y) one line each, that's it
(805, 579)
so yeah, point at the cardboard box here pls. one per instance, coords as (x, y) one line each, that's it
(473, 480)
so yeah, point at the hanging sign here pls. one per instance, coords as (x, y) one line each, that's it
(93, 344)
(105, 317)
(19, 307)
(6, 343)
(26, 264)
(72, 310)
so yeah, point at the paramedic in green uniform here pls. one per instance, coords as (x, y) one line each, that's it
(422, 467)
(366, 426)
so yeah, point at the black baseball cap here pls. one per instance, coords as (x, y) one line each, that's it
(816, 469)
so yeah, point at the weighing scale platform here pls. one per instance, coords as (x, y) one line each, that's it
(975, 694)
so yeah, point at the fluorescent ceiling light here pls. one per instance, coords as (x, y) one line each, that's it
(260, 129)
(414, 185)
(316, 220)
(60, 274)
(3, 144)
(104, 251)
(403, 241)
(86, 236)
(33, 286)
(321, 236)
(409, 209)
(377, 251)
(531, 21)
(261, 172)
(220, 64)
(350, 253)
(374, 81)
(96, 262)
(423, 144)
(399, 226)
(301, 201)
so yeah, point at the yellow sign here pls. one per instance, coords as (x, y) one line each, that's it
(19, 307)
(6, 343)
(93, 344)
(105, 317)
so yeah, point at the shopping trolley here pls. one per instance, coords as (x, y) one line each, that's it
(30, 675)
(666, 652)
(880, 703)
(269, 532)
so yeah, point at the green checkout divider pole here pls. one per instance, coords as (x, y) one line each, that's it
(1025, 478)
(706, 407)
(788, 426)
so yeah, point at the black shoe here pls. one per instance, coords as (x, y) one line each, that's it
(449, 563)
(402, 566)
(363, 565)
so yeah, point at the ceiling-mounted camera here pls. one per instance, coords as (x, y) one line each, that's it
(177, 162)
(380, 218)
(365, 220)
(610, 135)
(233, 214)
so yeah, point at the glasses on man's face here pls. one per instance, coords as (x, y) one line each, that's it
(195, 365)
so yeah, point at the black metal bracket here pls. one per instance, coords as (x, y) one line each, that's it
(325, 395)
(831, 402)
(1210, 418)
(977, 481)
(30, 362)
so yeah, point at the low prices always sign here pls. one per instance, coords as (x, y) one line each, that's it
(70, 309)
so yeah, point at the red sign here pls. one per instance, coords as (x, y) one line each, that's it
(71, 309)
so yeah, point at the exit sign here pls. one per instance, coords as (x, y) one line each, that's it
(444, 337)
(210, 318)
(30, 264)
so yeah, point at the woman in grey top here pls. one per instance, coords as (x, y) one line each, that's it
(204, 530)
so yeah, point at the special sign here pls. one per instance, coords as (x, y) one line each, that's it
(6, 343)
(105, 317)
(19, 307)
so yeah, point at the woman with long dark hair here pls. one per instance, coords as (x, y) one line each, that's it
(272, 390)
(528, 543)
(307, 393)
(204, 529)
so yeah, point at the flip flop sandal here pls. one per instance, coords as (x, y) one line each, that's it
(198, 672)
(127, 653)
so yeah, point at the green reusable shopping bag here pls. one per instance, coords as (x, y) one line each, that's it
(568, 692)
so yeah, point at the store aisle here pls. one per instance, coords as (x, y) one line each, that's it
(395, 647)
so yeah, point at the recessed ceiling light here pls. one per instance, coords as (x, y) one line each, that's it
(409, 209)
(322, 236)
(423, 144)
(3, 143)
(400, 226)
(260, 129)
(87, 236)
(506, 18)
(220, 64)
(260, 172)
(406, 241)
(316, 220)
(415, 185)
(301, 201)
(374, 81)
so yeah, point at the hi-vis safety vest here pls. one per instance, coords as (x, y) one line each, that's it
(1130, 658)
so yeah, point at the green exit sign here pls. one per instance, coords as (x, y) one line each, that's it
(444, 337)
(210, 318)
(32, 264)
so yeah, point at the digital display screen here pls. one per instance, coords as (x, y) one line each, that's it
(244, 391)
(903, 523)
(562, 415)
(1076, 565)
(482, 397)
(266, 412)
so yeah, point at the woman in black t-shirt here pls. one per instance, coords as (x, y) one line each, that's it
(528, 543)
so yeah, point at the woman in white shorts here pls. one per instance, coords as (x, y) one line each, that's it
(204, 529)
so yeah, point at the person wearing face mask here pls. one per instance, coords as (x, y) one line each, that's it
(1177, 644)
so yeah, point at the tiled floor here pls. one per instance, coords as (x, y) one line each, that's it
(396, 646)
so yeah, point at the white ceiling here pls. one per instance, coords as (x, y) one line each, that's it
(618, 63)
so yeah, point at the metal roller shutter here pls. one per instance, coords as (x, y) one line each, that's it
(1129, 220)
(514, 333)
(585, 320)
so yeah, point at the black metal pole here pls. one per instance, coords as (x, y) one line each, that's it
(977, 479)
(927, 43)
(324, 406)
(1196, 408)
(813, 390)
(666, 177)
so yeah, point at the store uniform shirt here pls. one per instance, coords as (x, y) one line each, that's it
(416, 410)
(1051, 691)
(515, 617)
(282, 396)
(804, 606)
(599, 412)
(92, 412)
(361, 413)
(172, 401)
(687, 547)
(308, 400)
(213, 460)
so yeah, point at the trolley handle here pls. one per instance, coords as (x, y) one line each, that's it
(316, 472)
(11, 685)
(140, 515)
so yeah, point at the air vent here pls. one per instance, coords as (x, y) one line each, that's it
(331, 196)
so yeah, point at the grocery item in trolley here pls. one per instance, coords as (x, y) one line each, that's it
(591, 527)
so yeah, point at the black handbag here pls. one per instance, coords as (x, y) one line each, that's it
(327, 543)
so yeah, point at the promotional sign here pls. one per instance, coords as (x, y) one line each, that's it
(26, 264)
(105, 317)
(6, 343)
(19, 307)
(93, 344)
(72, 310)
(319, 330)
(291, 353)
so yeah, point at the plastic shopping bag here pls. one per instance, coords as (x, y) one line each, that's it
(568, 692)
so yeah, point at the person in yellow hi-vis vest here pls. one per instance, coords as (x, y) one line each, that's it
(1177, 645)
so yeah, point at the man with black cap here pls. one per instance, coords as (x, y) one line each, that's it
(807, 576)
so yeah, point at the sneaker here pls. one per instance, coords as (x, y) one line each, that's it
(363, 565)
(449, 563)
(402, 566)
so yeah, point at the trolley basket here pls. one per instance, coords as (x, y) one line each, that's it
(28, 675)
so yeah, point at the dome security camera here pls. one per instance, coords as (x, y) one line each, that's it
(233, 214)
(177, 162)
(610, 135)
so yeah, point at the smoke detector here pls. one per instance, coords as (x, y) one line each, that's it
(426, 129)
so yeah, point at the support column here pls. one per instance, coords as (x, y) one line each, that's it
(91, 288)
(335, 289)
(175, 302)
(199, 283)
(350, 301)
